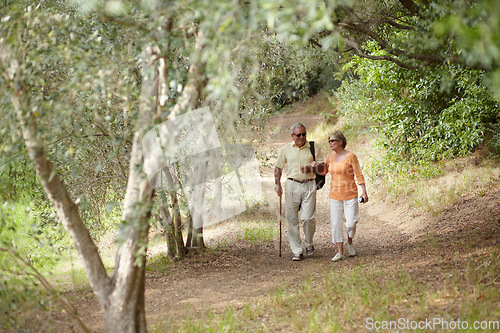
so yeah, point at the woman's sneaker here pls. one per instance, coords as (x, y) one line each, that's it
(338, 257)
(350, 250)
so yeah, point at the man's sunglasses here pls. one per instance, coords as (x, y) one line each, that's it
(300, 135)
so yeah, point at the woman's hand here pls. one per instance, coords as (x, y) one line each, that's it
(364, 194)
(319, 168)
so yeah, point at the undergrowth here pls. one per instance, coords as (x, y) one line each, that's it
(365, 298)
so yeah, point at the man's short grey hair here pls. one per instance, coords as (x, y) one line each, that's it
(295, 126)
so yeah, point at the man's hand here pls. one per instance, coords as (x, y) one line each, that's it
(277, 181)
(306, 169)
(278, 189)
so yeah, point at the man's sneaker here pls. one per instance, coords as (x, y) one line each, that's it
(338, 257)
(350, 250)
(310, 251)
(298, 258)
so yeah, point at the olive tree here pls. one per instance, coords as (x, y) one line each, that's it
(157, 61)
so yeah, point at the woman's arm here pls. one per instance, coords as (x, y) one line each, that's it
(360, 178)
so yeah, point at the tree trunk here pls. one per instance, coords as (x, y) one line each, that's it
(168, 225)
(179, 241)
(198, 241)
(65, 207)
(174, 227)
(198, 208)
(189, 239)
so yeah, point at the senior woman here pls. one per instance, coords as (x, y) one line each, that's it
(343, 166)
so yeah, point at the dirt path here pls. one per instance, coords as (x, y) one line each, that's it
(239, 271)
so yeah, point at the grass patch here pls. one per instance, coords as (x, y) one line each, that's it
(258, 231)
(355, 299)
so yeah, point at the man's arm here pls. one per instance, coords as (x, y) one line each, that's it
(277, 181)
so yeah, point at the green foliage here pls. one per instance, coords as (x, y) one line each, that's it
(18, 295)
(82, 86)
(18, 178)
(289, 73)
(475, 29)
(36, 237)
(33, 232)
(424, 114)
(494, 142)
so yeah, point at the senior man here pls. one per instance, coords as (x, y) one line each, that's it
(300, 189)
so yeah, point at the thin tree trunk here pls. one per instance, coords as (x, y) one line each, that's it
(199, 198)
(168, 224)
(198, 241)
(175, 228)
(125, 310)
(166, 218)
(189, 239)
(179, 241)
(122, 297)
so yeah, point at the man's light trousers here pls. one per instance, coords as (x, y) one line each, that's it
(303, 197)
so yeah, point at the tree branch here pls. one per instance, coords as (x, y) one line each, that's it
(191, 93)
(360, 27)
(411, 6)
(124, 23)
(396, 24)
(363, 54)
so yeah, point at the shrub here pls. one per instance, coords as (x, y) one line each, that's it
(424, 114)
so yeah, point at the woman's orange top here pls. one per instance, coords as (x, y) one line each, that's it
(343, 186)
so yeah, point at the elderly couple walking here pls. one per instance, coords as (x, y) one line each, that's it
(300, 190)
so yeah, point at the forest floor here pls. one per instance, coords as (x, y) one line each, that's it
(234, 271)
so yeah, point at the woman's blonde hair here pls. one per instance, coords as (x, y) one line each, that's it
(338, 135)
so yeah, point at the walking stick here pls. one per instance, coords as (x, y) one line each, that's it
(280, 223)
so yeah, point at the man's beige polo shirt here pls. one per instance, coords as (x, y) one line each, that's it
(294, 157)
